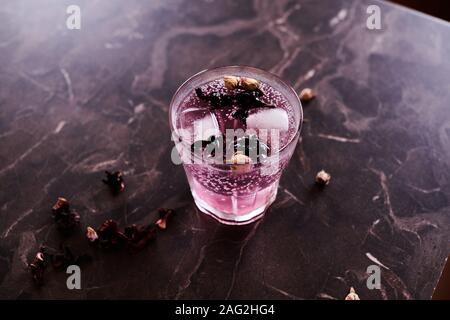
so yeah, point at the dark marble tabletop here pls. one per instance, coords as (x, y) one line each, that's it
(74, 103)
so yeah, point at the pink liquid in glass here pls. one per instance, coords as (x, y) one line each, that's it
(229, 195)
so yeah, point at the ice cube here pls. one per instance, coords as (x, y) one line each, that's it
(187, 117)
(206, 127)
(269, 119)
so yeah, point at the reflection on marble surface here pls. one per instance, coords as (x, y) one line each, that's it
(76, 103)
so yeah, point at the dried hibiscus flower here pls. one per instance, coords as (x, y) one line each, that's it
(139, 236)
(115, 181)
(216, 99)
(109, 235)
(38, 266)
(164, 214)
(64, 258)
(61, 205)
(243, 100)
(65, 218)
(135, 237)
(352, 295)
(91, 234)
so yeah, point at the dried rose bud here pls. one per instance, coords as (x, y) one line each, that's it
(352, 295)
(61, 205)
(91, 234)
(249, 83)
(323, 178)
(231, 82)
(163, 216)
(307, 94)
(240, 162)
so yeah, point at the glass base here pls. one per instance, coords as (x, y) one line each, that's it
(230, 219)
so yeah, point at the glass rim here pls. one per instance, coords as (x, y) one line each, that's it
(186, 146)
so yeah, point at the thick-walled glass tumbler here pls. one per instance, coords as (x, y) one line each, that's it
(215, 103)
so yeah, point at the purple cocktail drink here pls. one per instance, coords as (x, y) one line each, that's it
(235, 129)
